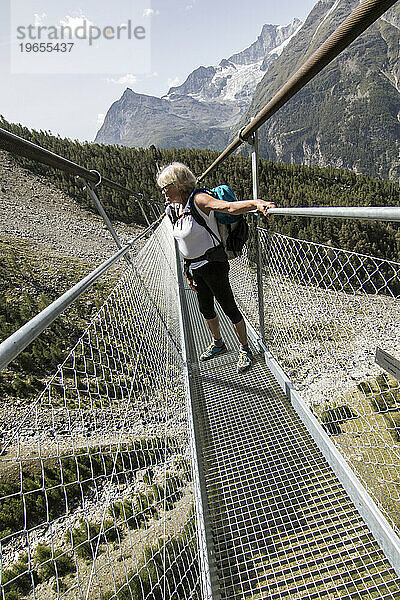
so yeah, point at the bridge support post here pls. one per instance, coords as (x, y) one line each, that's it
(105, 218)
(253, 141)
(143, 211)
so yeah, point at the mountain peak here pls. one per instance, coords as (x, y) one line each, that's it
(269, 41)
(235, 79)
(347, 116)
(128, 92)
(217, 95)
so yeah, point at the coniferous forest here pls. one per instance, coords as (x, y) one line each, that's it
(287, 185)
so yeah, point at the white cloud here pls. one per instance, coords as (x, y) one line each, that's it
(174, 82)
(39, 19)
(127, 79)
(189, 6)
(100, 118)
(148, 12)
(75, 21)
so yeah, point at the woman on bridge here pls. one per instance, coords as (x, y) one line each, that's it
(208, 261)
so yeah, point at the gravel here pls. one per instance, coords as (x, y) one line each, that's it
(33, 209)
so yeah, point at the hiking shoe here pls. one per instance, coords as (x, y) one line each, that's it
(244, 360)
(212, 351)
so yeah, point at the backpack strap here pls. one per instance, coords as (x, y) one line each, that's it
(194, 211)
(215, 253)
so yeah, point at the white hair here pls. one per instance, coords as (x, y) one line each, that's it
(178, 174)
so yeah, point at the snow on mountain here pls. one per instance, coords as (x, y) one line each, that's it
(348, 115)
(216, 95)
(279, 49)
(236, 78)
(326, 16)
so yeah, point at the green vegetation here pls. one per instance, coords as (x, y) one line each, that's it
(44, 566)
(148, 476)
(146, 505)
(383, 393)
(366, 424)
(51, 489)
(20, 578)
(89, 537)
(287, 185)
(135, 510)
(17, 580)
(332, 418)
(129, 512)
(172, 566)
(50, 564)
(180, 556)
(30, 281)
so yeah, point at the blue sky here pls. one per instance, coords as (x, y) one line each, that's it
(182, 35)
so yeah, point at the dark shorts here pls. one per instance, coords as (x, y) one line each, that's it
(212, 281)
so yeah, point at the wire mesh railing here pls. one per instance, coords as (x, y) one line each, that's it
(96, 488)
(327, 311)
(97, 494)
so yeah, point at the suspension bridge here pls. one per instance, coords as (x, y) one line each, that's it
(141, 473)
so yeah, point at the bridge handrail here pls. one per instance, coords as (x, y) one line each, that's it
(20, 339)
(375, 213)
(18, 145)
(358, 21)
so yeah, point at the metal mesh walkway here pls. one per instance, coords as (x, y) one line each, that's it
(282, 525)
(99, 498)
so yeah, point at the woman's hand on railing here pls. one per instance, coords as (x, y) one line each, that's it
(263, 207)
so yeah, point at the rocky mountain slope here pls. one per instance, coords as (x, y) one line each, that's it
(34, 210)
(47, 243)
(348, 116)
(200, 112)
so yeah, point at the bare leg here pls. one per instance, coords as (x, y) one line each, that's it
(240, 330)
(213, 326)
